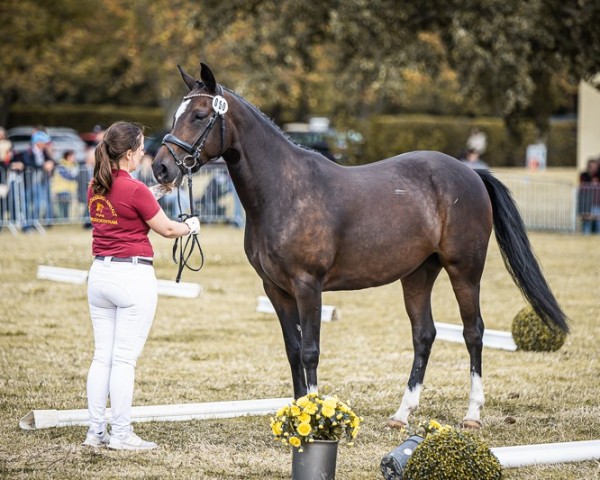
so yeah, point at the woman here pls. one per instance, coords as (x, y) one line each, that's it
(64, 183)
(122, 287)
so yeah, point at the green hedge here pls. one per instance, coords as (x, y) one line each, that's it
(389, 135)
(83, 118)
(384, 135)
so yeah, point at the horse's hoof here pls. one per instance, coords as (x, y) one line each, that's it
(472, 424)
(395, 424)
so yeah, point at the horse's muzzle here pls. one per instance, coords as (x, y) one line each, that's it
(164, 169)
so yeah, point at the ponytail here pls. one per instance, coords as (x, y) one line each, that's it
(103, 178)
(118, 138)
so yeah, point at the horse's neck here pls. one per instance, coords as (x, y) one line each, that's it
(260, 156)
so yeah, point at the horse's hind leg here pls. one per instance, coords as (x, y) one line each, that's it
(465, 278)
(417, 297)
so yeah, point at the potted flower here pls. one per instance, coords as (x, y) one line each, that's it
(313, 425)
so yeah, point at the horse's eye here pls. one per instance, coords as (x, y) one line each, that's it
(199, 115)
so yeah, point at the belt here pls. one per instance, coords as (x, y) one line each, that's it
(143, 261)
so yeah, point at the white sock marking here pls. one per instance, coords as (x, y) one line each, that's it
(476, 399)
(410, 402)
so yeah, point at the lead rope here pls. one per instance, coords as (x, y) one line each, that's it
(185, 251)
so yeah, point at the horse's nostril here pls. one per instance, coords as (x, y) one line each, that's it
(160, 171)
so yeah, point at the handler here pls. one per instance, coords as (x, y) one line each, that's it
(122, 287)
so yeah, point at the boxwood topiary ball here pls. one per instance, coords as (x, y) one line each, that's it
(532, 334)
(452, 455)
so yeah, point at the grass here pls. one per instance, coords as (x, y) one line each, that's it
(218, 348)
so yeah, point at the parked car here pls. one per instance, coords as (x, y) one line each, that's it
(317, 141)
(63, 139)
(94, 137)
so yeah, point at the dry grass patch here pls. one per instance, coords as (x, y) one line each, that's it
(217, 348)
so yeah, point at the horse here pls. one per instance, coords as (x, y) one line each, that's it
(313, 225)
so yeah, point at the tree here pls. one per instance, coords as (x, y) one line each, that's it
(352, 58)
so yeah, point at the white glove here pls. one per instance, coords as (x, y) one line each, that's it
(194, 225)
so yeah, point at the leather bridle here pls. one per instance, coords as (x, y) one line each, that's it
(188, 162)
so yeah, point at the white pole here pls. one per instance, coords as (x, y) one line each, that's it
(491, 338)
(57, 274)
(37, 419)
(71, 275)
(524, 455)
(328, 312)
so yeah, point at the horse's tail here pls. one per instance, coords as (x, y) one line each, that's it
(518, 255)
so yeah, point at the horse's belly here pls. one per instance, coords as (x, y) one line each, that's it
(369, 269)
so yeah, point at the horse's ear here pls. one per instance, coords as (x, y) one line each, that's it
(187, 78)
(208, 78)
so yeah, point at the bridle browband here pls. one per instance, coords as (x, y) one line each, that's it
(194, 150)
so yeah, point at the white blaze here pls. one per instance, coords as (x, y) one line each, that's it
(181, 109)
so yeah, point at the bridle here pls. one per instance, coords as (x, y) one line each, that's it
(186, 165)
(194, 150)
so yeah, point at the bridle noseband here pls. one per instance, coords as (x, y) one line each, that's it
(194, 150)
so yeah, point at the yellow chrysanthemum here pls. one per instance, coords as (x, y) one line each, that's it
(295, 411)
(328, 411)
(434, 424)
(330, 402)
(277, 428)
(281, 412)
(304, 429)
(304, 417)
(302, 401)
(311, 408)
(295, 441)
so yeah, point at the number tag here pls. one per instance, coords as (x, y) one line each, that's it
(220, 105)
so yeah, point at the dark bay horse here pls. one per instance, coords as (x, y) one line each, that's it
(313, 226)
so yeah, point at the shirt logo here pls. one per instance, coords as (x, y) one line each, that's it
(102, 211)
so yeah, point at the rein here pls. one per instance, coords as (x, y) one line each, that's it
(186, 166)
(185, 251)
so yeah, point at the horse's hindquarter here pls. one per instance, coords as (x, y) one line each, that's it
(394, 214)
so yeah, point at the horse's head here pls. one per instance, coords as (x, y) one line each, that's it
(199, 133)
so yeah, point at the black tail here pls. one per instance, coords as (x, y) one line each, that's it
(518, 255)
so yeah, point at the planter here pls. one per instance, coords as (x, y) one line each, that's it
(394, 463)
(317, 461)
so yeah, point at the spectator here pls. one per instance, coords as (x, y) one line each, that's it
(472, 160)
(5, 148)
(477, 141)
(588, 205)
(34, 167)
(65, 183)
(5, 156)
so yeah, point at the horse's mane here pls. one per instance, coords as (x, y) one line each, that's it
(268, 120)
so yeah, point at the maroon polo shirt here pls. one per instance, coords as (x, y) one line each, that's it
(119, 218)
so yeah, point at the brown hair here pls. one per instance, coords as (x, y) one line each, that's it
(118, 138)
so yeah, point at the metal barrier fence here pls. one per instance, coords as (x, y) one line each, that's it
(544, 204)
(34, 199)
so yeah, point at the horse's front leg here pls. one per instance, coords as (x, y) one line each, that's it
(308, 298)
(287, 312)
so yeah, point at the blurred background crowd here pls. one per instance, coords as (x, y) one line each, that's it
(357, 81)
